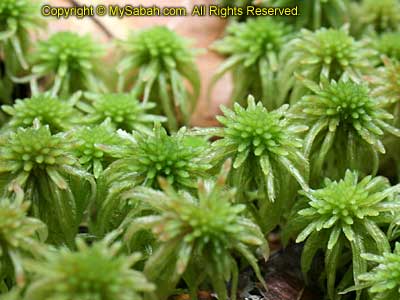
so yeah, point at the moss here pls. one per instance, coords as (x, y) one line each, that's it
(341, 216)
(198, 236)
(69, 62)
(347, 125)
(18, 238)
(330, 53)
(124, 111)
(43, 165)
(57, 114)
(99, 271)
(253, 56)
(144, 158)
(161, 61)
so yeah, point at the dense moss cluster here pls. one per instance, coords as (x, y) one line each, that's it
(346, 126)
(70, 60)
(95, 272)
(330, 53)
(198, 235)
(87, 142)
(58, 115)
(340, 217)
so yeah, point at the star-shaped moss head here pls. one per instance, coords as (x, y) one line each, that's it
(70, 62)
(161, 62)
(347, 124)
(124, 111)
(86, 141)
(98, 271)
(260, 142)
(343, 216)
(27, 150)
(330, 53)
(253, 50)
(179, 158)
(57, 114)
(196, 231)
(383, 280)
(44, 166)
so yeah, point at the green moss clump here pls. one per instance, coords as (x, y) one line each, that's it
(347, 125)
(383, 280)
(253, 56)
(87, 143)
(198, 236)
(57, 114)
(124, 111)
(330, 53)
(342, 217)
(44, 166)
(18, 238)
(99, 271)
(69, 62)
(161, 61)
(267, 158)
(179, 158)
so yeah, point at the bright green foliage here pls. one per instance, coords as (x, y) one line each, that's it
(253, 50)
(124, 111)
(43, 165)
(69, 62)
(344, 215)
(379, 16)
(16, 18)
(177, 157)
(330, 53)
(314, 14)
(59, 115)
(346, 128)
(386, 84)
(33, 148)
(18, 238)
(160, 154)
(388, 44)
(266, 153)
(161, 61)
(198, 236)
(87, 146)
(383, 280)
(96, 272)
